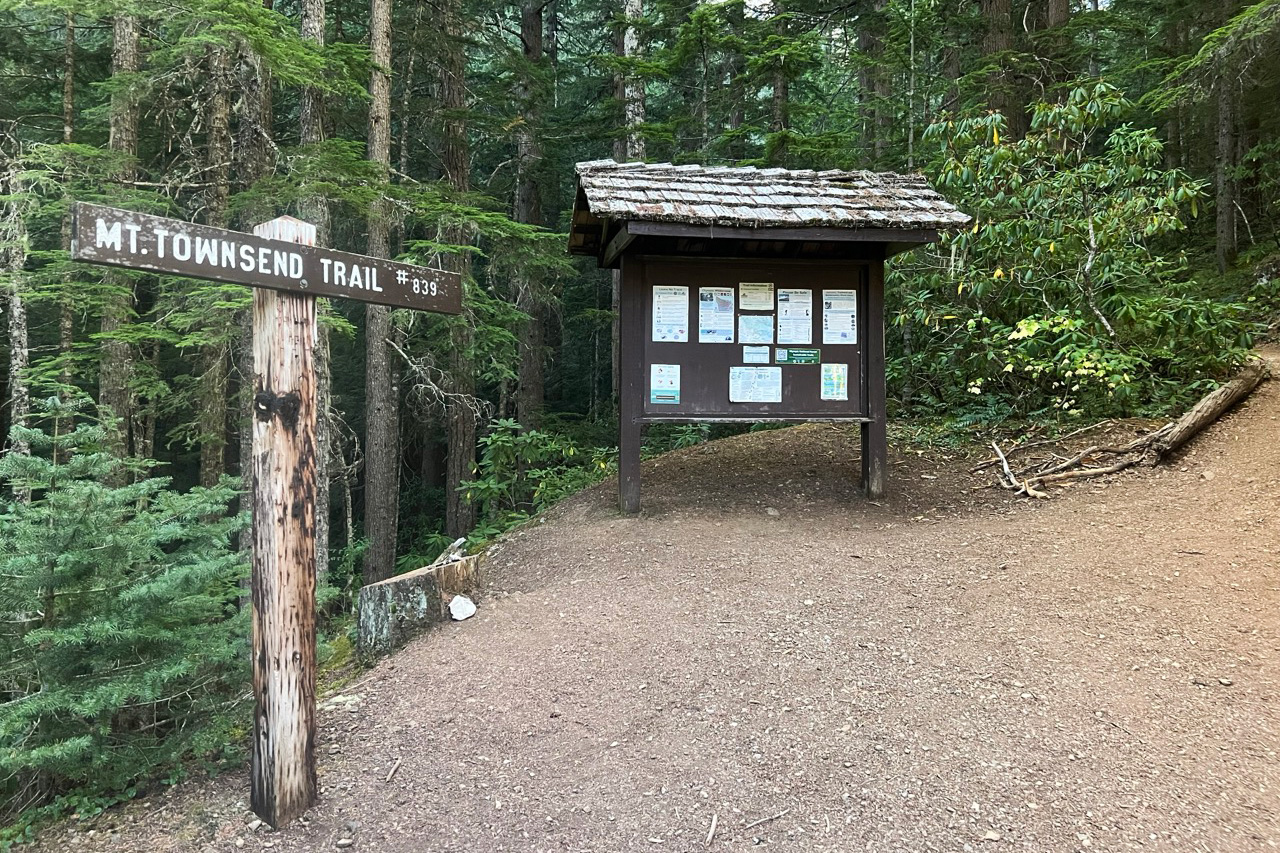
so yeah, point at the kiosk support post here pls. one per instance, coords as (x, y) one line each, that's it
(875, 444)
(631, 394)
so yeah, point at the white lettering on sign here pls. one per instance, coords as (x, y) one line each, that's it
(139, 241)
(206, 251)
(108, 236)
(182, 247)
(355, 277)
(420, 286)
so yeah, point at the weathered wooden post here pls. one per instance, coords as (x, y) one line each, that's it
(283, 780)
(286, 281)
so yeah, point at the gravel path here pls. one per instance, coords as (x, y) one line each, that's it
(765, 653)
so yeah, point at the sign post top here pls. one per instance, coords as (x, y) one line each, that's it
(288, 229)
(268, 258)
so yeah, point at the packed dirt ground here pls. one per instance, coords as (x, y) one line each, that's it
(763, 658)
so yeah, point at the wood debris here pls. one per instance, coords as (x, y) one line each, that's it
(1150, 449)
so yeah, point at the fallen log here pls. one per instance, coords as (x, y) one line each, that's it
(1211, 407)
(1153, 447)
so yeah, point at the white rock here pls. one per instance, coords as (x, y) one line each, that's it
(461, 608)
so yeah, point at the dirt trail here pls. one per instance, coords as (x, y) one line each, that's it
(763, 650)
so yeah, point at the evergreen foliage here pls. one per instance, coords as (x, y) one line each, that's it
(122, 647)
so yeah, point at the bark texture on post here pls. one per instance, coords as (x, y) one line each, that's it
(630, 395)
(283, 781)
(875, 443)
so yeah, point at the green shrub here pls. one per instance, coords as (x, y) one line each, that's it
(1055, 300)
(122, 647)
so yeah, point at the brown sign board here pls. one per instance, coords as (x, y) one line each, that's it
(124, 238)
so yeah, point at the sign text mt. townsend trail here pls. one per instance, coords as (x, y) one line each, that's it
(106, 235)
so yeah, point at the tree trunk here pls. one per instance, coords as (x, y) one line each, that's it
(1055, 47)
(66, 306)
(253, 160)
(780, 103)
(1057, 13)
(996, 45)
(214, 368)
(630, 146)
(735, 70)
(13, 258)
(1211, 407)
(868, 90)
(633, 98)
(1224, 181)
(115, 367)
(952, 68)
(69, 77)
(528, 209)
(460, 513)
(315, 210)
(382, 395)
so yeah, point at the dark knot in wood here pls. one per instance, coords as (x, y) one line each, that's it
(283, 406)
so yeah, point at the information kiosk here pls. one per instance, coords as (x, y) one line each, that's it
(751, 295)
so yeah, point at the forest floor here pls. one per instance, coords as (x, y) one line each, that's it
(765, 652)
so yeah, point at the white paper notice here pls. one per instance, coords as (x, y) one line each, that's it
(755, 295)
(755, 328)
(795, 316)
(755, 355)
(755, 384)
(671, 314)
(715, 315)
(835, 382)
(664, 383)
(839, 316)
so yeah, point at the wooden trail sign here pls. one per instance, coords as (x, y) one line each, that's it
(279, 260)
(123, 238)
